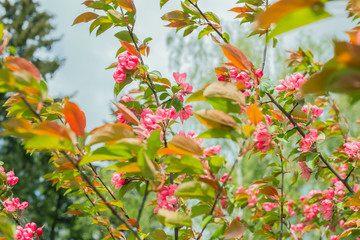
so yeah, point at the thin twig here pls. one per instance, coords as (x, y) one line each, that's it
(142, 204)
(296, 104)
(208, 22)
(218, 194)
(114, 212)
(107, 188)
(282, 198)
(30, 107)
(13, 217)
(266, 43)
(150, 83)
(297, 127)
(97, 213)
(346, 178)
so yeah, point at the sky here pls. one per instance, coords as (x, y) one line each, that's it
(83, 75)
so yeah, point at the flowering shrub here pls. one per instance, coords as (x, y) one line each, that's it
(194, 185)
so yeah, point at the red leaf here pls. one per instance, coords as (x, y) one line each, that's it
(85, 17)
(236, 57)
(128, 115)
(75, 117)
(21, 64)
(130, 48)
(128, 5)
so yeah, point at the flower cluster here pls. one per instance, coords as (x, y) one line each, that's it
(186, 87)
(10, 177)
(292, 82)
(307, 142)
(117, 180)
(352, 149)
(28, 232)
(262, 137)
(14, 204)
(126, 61)
(305, 171)
(166, 198)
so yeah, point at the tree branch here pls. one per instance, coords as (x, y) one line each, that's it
(266, 40)
(142, 204)
(208, 22)
(282, 198)
(218, 194)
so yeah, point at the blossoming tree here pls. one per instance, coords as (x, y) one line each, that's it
(193, 184)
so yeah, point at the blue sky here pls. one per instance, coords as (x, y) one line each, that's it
(87, 56)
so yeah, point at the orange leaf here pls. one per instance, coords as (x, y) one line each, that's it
(74, 117)
(277, 115)
(254, 114)
(88, 2)
(128, 115)
(85, 17)
(21, 64)
(181, 145)
(269, 191)
(130, 48)
(236, 57)
(109, 133)
(235, 230)
(51, 129)
(240, 9)
(75, 212)
(280, 9)
(128, 5)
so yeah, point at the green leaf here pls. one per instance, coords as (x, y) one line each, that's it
(215, 163)
(186, 164)
(177, 104)
(119, 86)
(200, 209)
(147, 167)
(297, 19)
(195, 190)
(103, 27)
(219, 133)
(154, 143)
(98, 22)
(125, 36)
(107, 153)
(212, 17)
(116, 17)
(173, 219)
(196, 96)
(205, 31)
(48, 143)
(163, 2)
(158, 234)
(189, 30)
(188, 8)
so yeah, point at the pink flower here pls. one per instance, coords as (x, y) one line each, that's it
(326, 209)
(352, 149)
(268, 206)
(305, 171)
(165, 114)
(335, 237)
(39, 232)
(298, 227)
(12, 205)
(24, 233)
(119, 75)
(32, 226)
(305, 108)
(259, 73)
(2, 169)
(290, 210)
(126, 98)
(221, 78)
(223, 178)
(262, 137)
(212, 150)
(192, 135)
(233, 73)
(252, 191)
(307, 142)
(339, 187)
(179, 77)
(166, 198)
(292, 82)
(23, 205)
(223, 202)
(11, 179)
(329, 194)
(268, 120)
(128, 61)
(310, 211)
(186, 89)
(117, 180)
(185, 113)
(317, 111)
